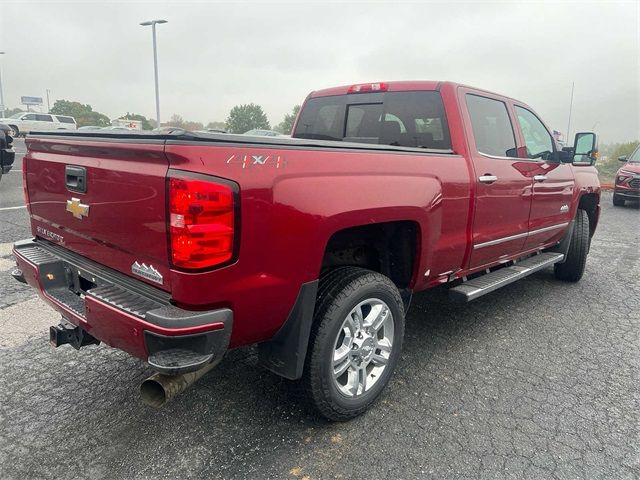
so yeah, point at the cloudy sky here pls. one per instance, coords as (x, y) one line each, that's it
(214, 55)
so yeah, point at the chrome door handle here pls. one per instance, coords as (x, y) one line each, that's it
(539, 178)
(487, 178)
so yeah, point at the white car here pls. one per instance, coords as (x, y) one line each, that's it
(25, 122)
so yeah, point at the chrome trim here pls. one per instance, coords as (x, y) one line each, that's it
(518, 235)
(513, 159)
(539, 178)
(487, 178)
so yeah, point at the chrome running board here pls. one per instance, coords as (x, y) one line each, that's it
(476, 287)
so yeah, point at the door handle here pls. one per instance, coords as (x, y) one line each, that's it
(487, 178)
(539, 178)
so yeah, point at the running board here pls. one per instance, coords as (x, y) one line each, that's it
(476, 287)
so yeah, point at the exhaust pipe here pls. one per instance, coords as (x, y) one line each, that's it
(160, 388)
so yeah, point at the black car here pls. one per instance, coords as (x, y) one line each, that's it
(7, 154)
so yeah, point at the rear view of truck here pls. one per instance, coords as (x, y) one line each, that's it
(110, 222)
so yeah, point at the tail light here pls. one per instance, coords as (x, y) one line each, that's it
(202, 221)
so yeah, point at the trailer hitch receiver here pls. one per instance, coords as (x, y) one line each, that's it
(66, 332)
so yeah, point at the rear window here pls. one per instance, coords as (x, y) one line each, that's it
(65, 119)
(407, 119)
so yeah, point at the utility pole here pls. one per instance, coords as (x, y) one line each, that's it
(570, 108)
(48, 106)
(2, 107)
(155, 63)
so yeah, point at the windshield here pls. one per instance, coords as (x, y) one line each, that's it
(635, 156)
(17, 115)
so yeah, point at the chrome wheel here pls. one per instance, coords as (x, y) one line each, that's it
(363, 347)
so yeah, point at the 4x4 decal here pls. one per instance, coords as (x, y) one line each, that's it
(248, 161)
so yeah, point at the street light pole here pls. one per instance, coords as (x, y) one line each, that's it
(2, 107)
(155, 63)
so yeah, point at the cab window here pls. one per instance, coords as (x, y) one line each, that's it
(492, 129)
(406, 119)
(537, 139)
(29, 116)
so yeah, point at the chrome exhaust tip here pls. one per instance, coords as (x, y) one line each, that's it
(161, 388)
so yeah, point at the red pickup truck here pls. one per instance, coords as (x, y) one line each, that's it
(176, 247)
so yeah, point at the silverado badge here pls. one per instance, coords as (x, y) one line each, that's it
(147, 271)
(77, 209)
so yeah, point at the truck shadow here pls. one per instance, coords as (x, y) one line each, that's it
(236, 420)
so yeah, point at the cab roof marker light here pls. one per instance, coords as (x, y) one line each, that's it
(368, 88)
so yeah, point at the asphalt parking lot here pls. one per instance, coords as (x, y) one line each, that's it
(537, 380)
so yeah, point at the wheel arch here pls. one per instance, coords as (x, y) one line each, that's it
(590, 202)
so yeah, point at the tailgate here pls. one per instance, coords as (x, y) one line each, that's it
(103, 199)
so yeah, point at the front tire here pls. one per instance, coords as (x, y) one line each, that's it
(573, 267)
(14, 131)
(618, 201)
(355, 342)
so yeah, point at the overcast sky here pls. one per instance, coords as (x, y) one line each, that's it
(213, 55)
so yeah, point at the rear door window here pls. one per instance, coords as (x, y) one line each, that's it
(492, 129)
(408, 119)
(44, 118)
(65, 119)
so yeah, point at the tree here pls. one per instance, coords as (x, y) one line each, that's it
(608, 168)
(287, 124)
(83, 114)
(146, 124)
(179, 122)
(247, 117)
(12, 111)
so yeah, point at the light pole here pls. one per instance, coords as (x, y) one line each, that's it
(2, 108)
(155, 63)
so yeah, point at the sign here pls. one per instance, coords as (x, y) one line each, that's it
(31, 100)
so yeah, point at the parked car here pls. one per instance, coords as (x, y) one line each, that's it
(25, 122)
(7, 154)
(627, 184)
(119, 128)
(263, 133)
(211, 130)
(176, 248)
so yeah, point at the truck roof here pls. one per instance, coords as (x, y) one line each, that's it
(399, 86)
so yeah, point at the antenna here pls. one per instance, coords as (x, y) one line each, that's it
(573, 84)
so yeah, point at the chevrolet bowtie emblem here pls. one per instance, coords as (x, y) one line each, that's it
(77, 209)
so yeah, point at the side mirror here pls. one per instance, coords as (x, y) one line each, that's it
(585, 149)
(623, 158)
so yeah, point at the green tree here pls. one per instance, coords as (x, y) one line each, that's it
(608, 167)
(83, 114)
(247, 117)
(179, 122)
(12, 111)
(146, 123)
(287, 124)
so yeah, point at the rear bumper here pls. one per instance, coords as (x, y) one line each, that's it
(122, 312)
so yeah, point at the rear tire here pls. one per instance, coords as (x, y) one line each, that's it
(355, 342)
(618, 201)
(573, 267)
